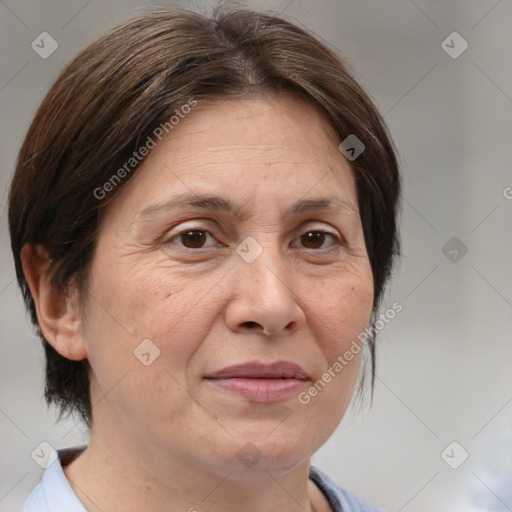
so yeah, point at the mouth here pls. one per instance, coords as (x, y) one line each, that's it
(258, 382)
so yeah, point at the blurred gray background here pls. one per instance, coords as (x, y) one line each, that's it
(444, 362)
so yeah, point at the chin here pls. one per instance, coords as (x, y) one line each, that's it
(269, 465)
(260, 452)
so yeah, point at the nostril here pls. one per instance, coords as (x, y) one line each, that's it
(290, 326)
(251, 325)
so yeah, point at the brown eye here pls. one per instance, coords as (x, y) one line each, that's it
(194, 238)
(315, 239)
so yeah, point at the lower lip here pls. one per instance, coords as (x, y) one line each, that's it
(260, 390)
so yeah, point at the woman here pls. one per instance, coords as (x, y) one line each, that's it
(203, 219)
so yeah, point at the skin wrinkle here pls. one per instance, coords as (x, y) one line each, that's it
(348, 209)
(265, 133)
(223, 204)
(160, 231)
(164, 426)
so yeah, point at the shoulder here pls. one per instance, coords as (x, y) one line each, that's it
(339, 499)
(36, 500)
(53, 493)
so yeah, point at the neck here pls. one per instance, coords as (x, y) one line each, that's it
(114, 476)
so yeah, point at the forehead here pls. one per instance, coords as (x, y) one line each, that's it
(254, 148)
(275, 129)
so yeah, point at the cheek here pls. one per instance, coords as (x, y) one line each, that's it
(145, 309)
(152, 302)
(341, 309)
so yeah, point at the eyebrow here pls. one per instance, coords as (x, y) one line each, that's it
(218, 203)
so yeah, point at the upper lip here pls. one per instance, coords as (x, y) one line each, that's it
(256, 370)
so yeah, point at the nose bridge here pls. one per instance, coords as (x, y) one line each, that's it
(268, 272)
(265, 299)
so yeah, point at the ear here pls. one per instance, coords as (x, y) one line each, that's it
(57, 312)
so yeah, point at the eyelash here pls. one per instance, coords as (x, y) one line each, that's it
(171, 240)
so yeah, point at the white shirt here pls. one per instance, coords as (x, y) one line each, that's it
(54, 493)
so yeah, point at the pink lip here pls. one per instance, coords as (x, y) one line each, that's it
(261, 382)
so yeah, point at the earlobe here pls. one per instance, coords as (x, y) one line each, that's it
(57, 312)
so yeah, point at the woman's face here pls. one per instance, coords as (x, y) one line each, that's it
(238, 242)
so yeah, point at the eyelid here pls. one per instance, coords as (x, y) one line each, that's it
(202, 225)
(183, 225)
(324, 228)
(195, 225)
(338, 240)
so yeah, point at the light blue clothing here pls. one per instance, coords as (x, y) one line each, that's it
(339, 499)
(54, 493)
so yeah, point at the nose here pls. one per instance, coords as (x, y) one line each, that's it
(264, 301)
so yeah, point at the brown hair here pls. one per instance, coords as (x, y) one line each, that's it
(114, 94)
